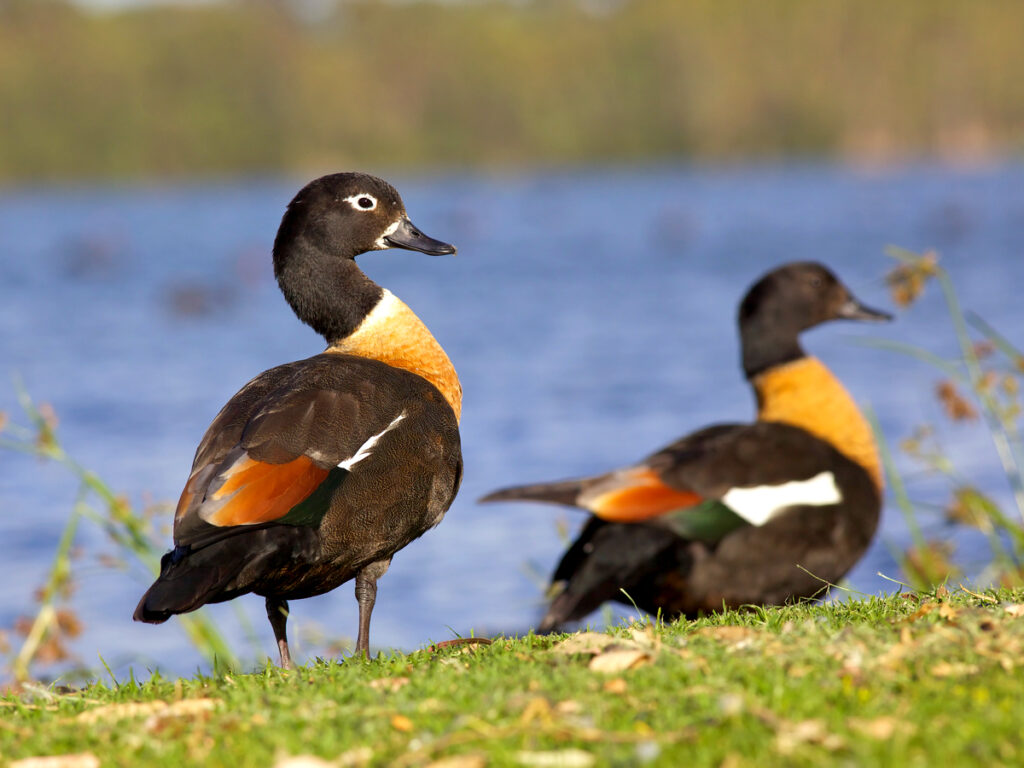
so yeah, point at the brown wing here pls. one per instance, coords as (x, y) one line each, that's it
(714, 460)
(279, 440)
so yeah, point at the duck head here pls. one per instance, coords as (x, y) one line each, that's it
(787, 301)
(327, 224)
(346, 214)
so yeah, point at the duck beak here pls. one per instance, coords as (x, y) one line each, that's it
(854, 310)
(407, 235)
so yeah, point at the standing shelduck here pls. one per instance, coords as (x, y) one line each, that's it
(319, 470)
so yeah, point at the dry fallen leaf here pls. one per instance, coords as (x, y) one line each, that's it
(618, 660)
(562, 758)
(645, 636)
(459, 761)
(186, 708)
(646, 751)
(922, 611)
(955, 669)
(401, 723)
(79, 760)
(882, 728)
(192, 706)
(735, 637)
(731, 704)
(121, 711)
(351, 758)
(615, 685)
(430, 705)
(536, 708)
(948, 612)
(303, 761)
(586, 642)
(1014, 610)
(790, 736)
(114, 712)
(390, 684)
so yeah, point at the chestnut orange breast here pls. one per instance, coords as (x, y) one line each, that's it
(393, 334)
(806, 394)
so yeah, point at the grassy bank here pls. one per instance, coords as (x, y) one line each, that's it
(904, 680)
(253, 85)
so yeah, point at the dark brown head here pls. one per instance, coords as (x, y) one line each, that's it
(328, 223)
(787, 301)
(346, 214)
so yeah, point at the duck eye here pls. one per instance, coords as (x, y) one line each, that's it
(362, 202)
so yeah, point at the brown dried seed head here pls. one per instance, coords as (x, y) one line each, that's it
(957, 407)
(907, 281)
(69, 623)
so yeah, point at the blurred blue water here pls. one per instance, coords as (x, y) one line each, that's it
(590, 316)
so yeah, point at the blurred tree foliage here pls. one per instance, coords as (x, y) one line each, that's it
(263, 85)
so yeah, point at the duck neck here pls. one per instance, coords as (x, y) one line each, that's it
(766, 342)
(805, 394)
(327, 292)
(393, 334)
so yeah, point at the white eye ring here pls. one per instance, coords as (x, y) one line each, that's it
(359, 202)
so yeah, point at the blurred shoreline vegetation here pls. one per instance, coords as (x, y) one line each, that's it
(980, 388)
(45, 639)
(251, 86)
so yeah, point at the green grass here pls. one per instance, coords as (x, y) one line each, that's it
(903, 680)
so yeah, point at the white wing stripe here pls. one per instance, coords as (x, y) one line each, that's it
(366, 448)
(760, 504)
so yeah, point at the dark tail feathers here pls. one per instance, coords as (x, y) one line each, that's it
(565, 492)
(607, 558)
(186, 582)
(191, 578)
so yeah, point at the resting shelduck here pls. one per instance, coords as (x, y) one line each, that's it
(735, 514)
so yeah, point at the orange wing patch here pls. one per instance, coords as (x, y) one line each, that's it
(255, 492)
(634, 495)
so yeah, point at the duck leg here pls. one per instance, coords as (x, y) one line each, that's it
(277, 612)
(366, 595)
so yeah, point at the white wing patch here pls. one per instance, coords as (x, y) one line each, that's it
(761, 503)
(367, 448)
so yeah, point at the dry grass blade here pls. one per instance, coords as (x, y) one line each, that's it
(79, 760)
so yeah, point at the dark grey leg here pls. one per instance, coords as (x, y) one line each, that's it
(277, 612)
(366, 595)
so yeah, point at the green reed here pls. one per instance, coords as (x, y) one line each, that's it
(981, 385)
(131, 532)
